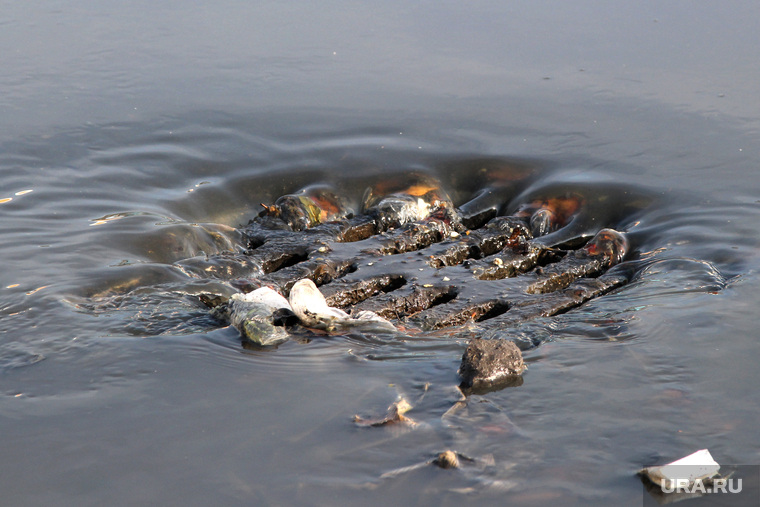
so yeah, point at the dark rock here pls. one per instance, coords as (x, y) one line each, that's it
(487, 363)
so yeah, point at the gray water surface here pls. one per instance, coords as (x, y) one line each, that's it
(133, 136)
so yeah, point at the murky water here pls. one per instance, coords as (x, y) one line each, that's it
(133, 137)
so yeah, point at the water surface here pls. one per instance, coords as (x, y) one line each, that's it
(135, 136)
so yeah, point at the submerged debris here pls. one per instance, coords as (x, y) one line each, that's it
(447, 459)
(395, 415)
(263, 317)
(450, 460)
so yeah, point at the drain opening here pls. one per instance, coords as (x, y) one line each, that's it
(498, 308)
(412, 258)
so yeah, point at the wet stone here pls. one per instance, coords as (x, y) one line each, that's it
(308, 207)
(490, 362)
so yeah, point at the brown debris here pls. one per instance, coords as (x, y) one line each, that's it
(446, 460)
(395, 415)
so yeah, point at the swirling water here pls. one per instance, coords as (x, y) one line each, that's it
(119, 388)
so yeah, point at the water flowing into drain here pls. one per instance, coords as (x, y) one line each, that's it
(410, 256)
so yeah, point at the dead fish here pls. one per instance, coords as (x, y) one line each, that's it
(253, 314)
(309, 305)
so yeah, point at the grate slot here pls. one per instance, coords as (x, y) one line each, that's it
(554, 303)
(458, 312)
(408, 300)
(500, 233)
(344, 293)
(559, 275)
(320, 271)
(499, 308)
(506, 264)
(281, 260)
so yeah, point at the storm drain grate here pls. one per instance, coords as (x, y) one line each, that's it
(412, 256)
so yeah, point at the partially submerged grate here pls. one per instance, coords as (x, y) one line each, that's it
(410, 256)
